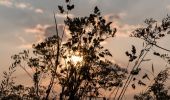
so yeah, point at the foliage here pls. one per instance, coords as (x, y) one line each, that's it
(77, 80)
(157, 90)
(151, 34)
(95, 72)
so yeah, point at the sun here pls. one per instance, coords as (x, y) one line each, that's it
(76, 59)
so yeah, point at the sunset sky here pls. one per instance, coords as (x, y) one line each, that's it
(24, 22)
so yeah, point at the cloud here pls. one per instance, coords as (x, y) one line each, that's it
(29, 7)
(117, 16)
(39, 10)
(25, 46)
(44, 31)
(51, 30)
(24, 43)
(40, 32)
(123, 30)
(37, 29)
(64, 15)
(122, 15)
(23, 5)
(6, 3)
(168, 7)
(20, 38)
(20, 5)
(37, 32)
(92, 1)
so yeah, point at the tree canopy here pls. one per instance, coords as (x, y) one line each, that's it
(82, 68)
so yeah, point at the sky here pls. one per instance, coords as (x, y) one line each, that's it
(24, 22)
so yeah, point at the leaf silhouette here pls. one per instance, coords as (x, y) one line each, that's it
(70, 7)
(145, 76)
(133, 86)
(61, 9)
(141, 83)
(67, 1)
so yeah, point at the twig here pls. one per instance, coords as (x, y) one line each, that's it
(26, 71)
(56, 62)
(129, 78)
(137, 66)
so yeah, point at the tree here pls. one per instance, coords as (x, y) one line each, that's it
(81, 66)
(157, 90)
(77, 79)
(151, 34)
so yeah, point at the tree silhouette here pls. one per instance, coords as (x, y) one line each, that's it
(151, 34)
(81, 68)
(77, 80)
(157, 90)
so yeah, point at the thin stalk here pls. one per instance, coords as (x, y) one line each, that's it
(157, 45)
(129, 77)
(161, 47)
(125, 82)
(56, 62)
(116, 93)
(112, 92)
(26, 71)
(133, 75)
(37, 85)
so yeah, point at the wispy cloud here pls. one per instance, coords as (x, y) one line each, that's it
(168, 7)
(40, 32)
(118, 16)
(38, 10)
(29, 7)
(37, 29)
(6, 3)
(46, 30)
(20, 5)
(64, 15)
(92, 1)
(23, 5)
(24, 43)
(20, 38)
(25, 46)
(123, 30)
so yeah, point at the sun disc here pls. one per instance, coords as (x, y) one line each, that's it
(76, 59)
